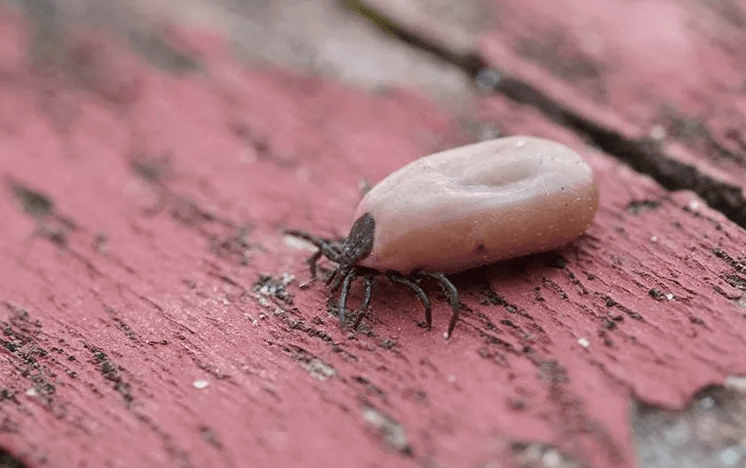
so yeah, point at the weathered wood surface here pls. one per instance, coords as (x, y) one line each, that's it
(146, 320)
(666, 76)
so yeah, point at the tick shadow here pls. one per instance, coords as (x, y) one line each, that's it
(485, 292)
(509, 273)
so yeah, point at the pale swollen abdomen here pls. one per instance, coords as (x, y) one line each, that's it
(478, 204)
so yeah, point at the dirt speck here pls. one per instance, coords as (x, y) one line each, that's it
(392, 433)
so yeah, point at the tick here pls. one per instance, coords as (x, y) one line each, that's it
(461, 209)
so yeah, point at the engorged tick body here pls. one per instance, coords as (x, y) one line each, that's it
(460, 209)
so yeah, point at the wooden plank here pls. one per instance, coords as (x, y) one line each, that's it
(146, 315)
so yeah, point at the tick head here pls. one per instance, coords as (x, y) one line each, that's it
(359, 243)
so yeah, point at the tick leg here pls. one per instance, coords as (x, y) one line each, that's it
(452, 293)
(398, 278)
(342, 304)
(369, 281)
(312, 262)
(336, 278)
(330, 249)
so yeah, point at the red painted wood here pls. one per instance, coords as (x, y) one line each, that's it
(145, 291)
(664, 69)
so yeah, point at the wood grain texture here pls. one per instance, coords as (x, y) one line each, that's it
(665, 76)
(150, 316)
